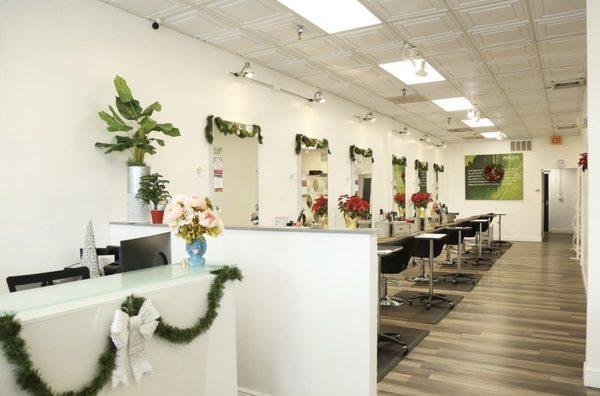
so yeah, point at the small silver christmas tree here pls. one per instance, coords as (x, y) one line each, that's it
(89, 258)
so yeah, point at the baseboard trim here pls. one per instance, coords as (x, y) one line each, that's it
(250, 392)
(591, 377)
(561, 230)
(522, 238)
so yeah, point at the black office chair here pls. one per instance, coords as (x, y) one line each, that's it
(43, 279)
(487, 229)
(422, 252)
(477, 260)
(395, 264)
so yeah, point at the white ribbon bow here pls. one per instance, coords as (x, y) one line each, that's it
(128, 335)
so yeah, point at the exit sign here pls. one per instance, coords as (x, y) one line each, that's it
(556, 139)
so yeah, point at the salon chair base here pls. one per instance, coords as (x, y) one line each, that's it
(393, 337)
(429, 299)
(457, 277)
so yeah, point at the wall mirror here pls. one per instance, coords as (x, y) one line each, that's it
(399, 184)
(234, 179)
(313, 184)
(438, 170)
(362, 172)
(421, 175)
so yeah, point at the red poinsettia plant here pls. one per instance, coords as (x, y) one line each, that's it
(493, 173)
(583, 162)
(420, 200)
(353, 206)
(319, 207)
(400, 200)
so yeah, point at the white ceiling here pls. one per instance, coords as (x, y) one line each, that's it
(501, 55)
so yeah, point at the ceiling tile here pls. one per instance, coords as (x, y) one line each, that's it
(443, 45)
(528, 97)
(198, 24)
(283, 30)
(537, 108)
(501, 35)
(322, 46)
(513, 65)
(478, 85)
(559, 27)
(298, 68)
(495, 14)
(151, 8)
(464, 70)
(564, 59)
(556, 8)
(564, 73)
(437, 90)
(371, 37)
(517, 50)
(565, 107)
(426, 27)
(564, 44)
(393, 9)
(245, 12)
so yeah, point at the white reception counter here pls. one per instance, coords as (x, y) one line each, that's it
(66, 327)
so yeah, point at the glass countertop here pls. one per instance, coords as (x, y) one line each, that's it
(83, 292)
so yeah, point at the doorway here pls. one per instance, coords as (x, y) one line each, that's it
(559, 195)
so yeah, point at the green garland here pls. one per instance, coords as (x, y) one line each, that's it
(28, 377)
(230, 128)
(367, 153)
(421, 166)
(398, 160)
(310, 142)
(438, 168)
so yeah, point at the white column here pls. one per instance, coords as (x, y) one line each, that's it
(592, 361)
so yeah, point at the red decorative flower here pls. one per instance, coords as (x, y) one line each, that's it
(319, 207)
(583, 161)
(493, 173)
(420, 200)
(353, 206)
(400, 200)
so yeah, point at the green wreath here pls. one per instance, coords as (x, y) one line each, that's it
(421, 166)
(28, 377)
(367, 153)
(230, 128)
(438, 168)
(310, 142)
(398, 160)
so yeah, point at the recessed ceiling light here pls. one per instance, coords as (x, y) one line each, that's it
(410, 72)
(482, 122)
(333, 16)
(454, 104)
(493, 135)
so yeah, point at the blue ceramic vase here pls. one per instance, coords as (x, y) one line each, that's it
(196, 251)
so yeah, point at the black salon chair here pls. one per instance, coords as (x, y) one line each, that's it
(487, 230)
(455, 237)
(395, 264)
(475, 232)
(422, 251)
(43, 279)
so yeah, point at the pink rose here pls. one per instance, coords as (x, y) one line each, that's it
(173, 211)
(197, 202)
(208, 219)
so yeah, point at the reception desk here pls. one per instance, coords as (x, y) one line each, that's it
(66, 327)
(306, 311)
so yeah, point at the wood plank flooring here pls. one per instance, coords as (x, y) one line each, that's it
(521, 331)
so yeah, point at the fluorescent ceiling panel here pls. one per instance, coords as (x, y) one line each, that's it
(454, 104)
(493, 135)
(333, 16)
(406, 71)
(483, 122)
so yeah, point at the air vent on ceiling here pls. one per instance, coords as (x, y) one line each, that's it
(409, 98)
(459, 130)
(520, 145)
(564, 127)
(580, 82)
(474, 136)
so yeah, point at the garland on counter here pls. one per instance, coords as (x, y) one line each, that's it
(367, 153)
(421, 166)
(398, 160)
(230, 128)
(310, 142)
(438, 168)
(28, 377)
(583, 161)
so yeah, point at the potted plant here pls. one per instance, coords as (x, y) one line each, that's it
(191, 218)
(420, 201)
(153, 192)
(138, 139)
(353, 208)
(400, 201)
(319, 208)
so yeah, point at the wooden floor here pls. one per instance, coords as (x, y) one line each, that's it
(521, 331)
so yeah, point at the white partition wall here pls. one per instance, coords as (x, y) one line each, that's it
(306, 309)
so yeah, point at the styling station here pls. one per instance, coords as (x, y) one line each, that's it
(298, 198)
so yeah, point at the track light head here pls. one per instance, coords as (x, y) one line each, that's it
(155, 23)
(369, 117)
(421, 72)
(300, 31)
(318, 97)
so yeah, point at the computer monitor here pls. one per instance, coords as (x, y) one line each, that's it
(146, 252)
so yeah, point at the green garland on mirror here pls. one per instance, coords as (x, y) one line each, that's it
(28, 377)
(438, 168)
(367, 153)
(310, 142)
(421, 166)
(398, 160)
(230, 128)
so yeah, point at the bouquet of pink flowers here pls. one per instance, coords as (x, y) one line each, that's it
(192, 217)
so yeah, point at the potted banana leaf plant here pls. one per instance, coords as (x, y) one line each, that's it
(135, 132)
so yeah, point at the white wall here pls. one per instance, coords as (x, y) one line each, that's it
(58, 60)
(524, 219)
(592, 356)
(562, 199)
